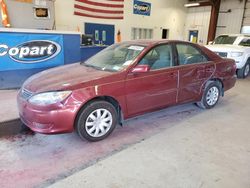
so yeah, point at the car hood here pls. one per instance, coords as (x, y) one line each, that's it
(63, 77)
(225, 48)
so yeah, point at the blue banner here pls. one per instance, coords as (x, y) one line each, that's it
(30, 51)
(142, 8)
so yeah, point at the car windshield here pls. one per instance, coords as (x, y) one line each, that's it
(225, 39)
(114, 58)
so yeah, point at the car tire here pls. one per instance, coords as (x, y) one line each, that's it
(96, 121)
(210, 96)
(243, 72)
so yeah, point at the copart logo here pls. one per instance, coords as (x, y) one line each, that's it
(32, 51)
(142, 8)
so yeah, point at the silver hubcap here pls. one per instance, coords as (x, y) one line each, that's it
(247, 68)
(212, 96)
(98, 122)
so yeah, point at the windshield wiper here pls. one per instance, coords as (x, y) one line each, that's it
(92, 66)
(89, 65)
(98, 68)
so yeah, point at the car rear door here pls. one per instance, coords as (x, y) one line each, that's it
(194, 70)
(156, 88)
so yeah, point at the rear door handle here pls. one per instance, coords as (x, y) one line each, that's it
(173, 74)
(210, 68)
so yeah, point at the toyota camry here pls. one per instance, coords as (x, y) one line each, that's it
(122, 81)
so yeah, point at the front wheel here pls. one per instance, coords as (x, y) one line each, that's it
(243, 72)
(210, 96)
(96, 121)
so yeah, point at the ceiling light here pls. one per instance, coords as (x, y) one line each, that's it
(192, 5)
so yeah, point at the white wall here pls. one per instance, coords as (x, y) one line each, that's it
(230, 22)
(168, 14)
(198, 18)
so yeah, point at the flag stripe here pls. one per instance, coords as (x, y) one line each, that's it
(97, 7)
(116, 0)
(98, 13)
(96, 16)
(105, 9)
(98, 10)
(101, 4)
(108, 1)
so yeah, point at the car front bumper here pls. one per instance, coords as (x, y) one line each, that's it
(58, 118)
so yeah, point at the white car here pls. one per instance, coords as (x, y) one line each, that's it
(235, 46)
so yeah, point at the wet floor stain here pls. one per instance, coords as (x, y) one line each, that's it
(35, 160)
(10, 128)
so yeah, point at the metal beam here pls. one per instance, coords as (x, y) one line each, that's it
(213, 19)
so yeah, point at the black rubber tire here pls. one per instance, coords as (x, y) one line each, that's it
(84, 113)
(203, 103)
(241, 72)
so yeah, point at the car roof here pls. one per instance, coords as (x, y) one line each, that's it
(235, 35)
(148, 42)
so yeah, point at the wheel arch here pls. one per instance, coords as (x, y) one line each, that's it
(217, 80)
(204, 87)
(248, 59)
(109, 99)
(221, 84)
(214, 80)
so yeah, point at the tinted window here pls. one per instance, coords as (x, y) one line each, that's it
(159, 57)
(188, 54)
(225, 39)
(245, 42)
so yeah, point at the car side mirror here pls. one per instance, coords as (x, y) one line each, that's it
(140, 69)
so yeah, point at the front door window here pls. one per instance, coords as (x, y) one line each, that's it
(159, 57)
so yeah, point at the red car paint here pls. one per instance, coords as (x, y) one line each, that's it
(136, 93)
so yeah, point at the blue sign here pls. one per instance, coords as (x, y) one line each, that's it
(103, 33)
(20, 51)
(142, 8)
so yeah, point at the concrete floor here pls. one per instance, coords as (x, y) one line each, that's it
(181, 146)
(8, 105)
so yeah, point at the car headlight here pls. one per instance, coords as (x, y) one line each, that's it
(236, 54)
(49, 97)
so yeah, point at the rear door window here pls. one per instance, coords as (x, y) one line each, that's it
(188, 54)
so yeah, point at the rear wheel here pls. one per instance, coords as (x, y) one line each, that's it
(244, 72)
(210, 96)
(96, 121)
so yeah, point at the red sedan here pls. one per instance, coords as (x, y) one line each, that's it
(123, 81)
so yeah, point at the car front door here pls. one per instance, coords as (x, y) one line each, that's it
(156, 88)
(194, 70)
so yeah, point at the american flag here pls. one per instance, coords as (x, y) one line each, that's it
(106, 9)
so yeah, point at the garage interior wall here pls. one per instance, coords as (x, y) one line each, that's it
(230, 21)
(21, 14)
(198, 19)
(246, 18)
(165, 14)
